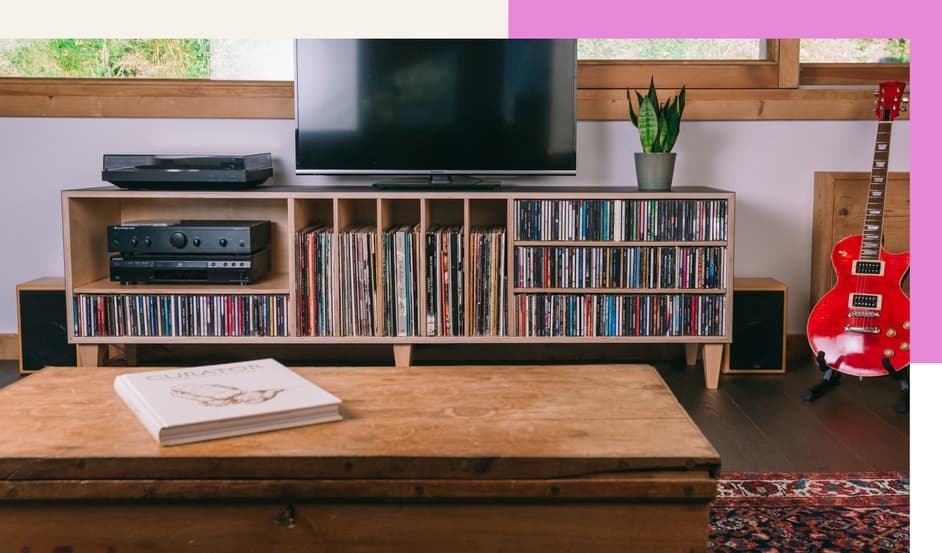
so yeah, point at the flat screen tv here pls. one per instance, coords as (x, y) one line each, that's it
(435, 108)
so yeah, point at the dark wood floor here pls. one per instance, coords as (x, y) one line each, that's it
(760, 423)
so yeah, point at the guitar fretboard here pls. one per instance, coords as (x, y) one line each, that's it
(876, 195)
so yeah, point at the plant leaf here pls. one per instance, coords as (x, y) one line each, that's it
(674, 117)
(631, 111)
(671, 137)
(652, 95)
(662, 130)
(647, 125)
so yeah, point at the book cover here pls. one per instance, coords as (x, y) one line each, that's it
(185, 405)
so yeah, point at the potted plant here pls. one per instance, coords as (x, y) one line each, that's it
(658, 127)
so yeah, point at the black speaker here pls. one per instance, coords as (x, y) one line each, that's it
(759, 322)
(44, 339)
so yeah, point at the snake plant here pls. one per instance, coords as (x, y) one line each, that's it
(657, 125)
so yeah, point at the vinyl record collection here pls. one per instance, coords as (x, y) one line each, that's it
(621, 220)
(488, 301)
(620, 267)
(357, 277)
(444, 276)
(180, 315)
(400, 280)
(315, 281)
(620, 315)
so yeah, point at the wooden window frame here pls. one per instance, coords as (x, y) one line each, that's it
(744, 90)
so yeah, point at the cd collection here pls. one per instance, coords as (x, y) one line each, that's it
(621, 220)
(620, 267)
(180, 315)
(620, 315)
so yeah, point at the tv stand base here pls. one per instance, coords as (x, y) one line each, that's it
(438, 182)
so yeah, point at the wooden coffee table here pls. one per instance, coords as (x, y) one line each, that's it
(493, 458)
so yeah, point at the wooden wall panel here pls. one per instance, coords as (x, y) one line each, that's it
(839, 201)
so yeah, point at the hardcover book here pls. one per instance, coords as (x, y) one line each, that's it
(179, 406)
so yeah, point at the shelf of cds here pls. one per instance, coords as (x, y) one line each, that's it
(360, 264)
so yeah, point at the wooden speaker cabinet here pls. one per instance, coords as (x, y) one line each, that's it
(41, 325)
(760, 323)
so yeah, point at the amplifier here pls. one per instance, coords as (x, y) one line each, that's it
(189, 236)
(190, 268)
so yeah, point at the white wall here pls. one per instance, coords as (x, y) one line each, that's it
(770, 166)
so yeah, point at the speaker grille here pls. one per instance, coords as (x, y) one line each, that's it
(43, 332)
(758, 330)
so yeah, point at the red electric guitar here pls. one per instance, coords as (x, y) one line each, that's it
(861, 326)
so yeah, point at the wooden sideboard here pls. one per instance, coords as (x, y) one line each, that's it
(692, 313)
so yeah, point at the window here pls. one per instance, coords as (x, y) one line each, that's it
(854, 50)
(87, 58)
(672, 49)
(853, 61)
(726, 79)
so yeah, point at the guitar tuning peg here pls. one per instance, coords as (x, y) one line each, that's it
(875, 93)
(905, 100)
(903, 109)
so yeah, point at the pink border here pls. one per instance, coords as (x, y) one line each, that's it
(804, 18)
(717, 18)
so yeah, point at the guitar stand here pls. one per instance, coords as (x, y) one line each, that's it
(901, 376)
(831, 379)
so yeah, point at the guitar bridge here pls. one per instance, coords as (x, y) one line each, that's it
(863, 314)
(863, 329)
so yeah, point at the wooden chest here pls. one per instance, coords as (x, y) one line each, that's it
(490, 458)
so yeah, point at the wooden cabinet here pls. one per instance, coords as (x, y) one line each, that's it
(657, 284)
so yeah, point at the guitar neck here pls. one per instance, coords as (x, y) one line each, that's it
(876, 194)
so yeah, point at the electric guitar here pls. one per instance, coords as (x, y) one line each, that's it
(861, 326)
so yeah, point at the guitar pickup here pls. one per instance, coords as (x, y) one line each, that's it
(864, 329)
(865, 301)
(867, 268)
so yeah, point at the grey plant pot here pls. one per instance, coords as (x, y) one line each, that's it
(655, 171)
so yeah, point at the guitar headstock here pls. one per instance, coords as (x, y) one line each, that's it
(890, 100)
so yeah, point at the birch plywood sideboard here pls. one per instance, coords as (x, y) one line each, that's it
(576, 264)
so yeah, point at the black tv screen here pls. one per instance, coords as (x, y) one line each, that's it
(435, 106)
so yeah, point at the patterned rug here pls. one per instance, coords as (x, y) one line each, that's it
(824, 512)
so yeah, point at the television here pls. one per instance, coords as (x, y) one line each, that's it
(441, 111)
